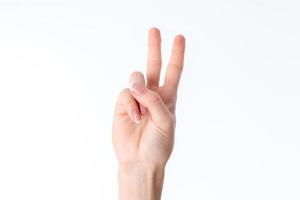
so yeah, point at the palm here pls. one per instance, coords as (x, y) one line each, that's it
(149, 141)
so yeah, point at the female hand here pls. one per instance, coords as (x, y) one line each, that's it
(144, 119)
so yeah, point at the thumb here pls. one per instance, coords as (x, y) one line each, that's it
(160, 114)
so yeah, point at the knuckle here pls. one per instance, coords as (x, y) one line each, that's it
(176, 66)
(125, 100)
(154, 42)
(124, 92)
(154, 62)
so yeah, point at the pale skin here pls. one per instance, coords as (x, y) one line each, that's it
(144, 122)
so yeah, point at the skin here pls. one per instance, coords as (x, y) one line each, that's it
(144, 122)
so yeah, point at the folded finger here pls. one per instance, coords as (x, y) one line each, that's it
(128, 105)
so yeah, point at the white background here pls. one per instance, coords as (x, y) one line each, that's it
(62, 64)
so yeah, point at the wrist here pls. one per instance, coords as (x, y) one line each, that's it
(140, 181)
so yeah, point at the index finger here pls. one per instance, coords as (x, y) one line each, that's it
(154, 58)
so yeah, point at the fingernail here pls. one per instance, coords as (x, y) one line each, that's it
(136, 117)
(143, 110)
(137, 88)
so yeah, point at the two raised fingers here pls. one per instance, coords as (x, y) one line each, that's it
(144, 98)
(154, 61)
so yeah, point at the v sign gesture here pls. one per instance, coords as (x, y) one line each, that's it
(144, 122)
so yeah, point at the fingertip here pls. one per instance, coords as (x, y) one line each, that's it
(154, 30)
(180, 39)
(154, 36)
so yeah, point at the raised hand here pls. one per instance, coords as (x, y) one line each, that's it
(144, 119)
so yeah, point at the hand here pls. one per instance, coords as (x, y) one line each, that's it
(144, 119)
